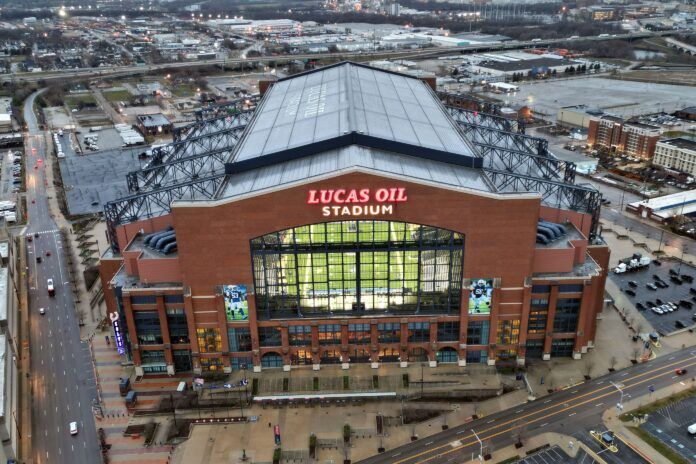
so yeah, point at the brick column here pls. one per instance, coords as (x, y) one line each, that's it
(164, 328)
(315, 346)
(586, 313)
(132, 334)
(222, 326)
(548, 339)
(403, 342)
(191, 322)
(463, 325)
(524, 325)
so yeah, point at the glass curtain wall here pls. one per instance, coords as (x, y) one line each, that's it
(357, 266)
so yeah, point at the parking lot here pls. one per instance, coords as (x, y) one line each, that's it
(556, 455)
(646, 298)
(669, 425)
(624, 455)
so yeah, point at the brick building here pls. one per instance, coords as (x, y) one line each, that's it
(355, 223)
(623, 137)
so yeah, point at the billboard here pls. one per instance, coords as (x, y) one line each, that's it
(236, 305)
(481, 292)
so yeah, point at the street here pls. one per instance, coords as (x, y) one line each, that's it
(569, 411)
(62, 380)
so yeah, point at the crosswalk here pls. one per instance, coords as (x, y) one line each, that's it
(51, 231)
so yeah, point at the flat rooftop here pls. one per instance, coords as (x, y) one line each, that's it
(681, 142)
(526, 64)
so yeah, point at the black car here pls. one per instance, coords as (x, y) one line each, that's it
(687, 304)
(693, 318)
(657, 262)
(692, 290)
(656, 277)
(659, 302)
(672, 272)
(630, 292)
(687, 278)
(640, 307)
(679, 324)
(662, 284)
(632, 283)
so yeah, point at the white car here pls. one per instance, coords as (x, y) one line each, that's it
(42, 311)
(73, 428)
(672, 305)
(656, 310)
(666, 308)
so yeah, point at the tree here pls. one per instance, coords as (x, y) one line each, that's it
(612, 363)
(588, 368)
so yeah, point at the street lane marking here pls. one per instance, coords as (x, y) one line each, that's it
(591, 392)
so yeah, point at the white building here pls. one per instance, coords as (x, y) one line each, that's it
(678, 154)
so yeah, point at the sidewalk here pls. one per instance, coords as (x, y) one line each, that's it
(25, 390)
(620, 428)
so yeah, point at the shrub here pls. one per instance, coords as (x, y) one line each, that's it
(254, 387)
(404, 379)
(286, 384)
(375, 381)
(346, 433)
(346, 382)
(315, 383)
(276, 456)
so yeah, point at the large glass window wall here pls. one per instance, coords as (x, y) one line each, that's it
(357, 266)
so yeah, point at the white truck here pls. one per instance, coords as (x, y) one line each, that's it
(634, 263)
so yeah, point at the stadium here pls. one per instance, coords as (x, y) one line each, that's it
(354, 215)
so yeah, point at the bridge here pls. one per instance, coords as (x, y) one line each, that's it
(681, 46)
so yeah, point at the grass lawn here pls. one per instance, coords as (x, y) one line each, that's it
(658, 446)
(117, 95)
(75, 101)
(184, 90)
(650, 408)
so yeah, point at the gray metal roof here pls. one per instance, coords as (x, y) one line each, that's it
(348, 98)
(379, 161)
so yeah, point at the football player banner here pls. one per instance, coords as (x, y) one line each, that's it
(480, 294)
(236, 305)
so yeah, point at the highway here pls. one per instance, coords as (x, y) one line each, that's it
(571, 412)
(362, 56)
(62, 379)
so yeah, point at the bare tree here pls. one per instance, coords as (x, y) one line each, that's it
(635, 353)
(589, 365)
(612, 363)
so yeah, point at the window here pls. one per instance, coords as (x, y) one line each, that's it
(300, 335)
(360, 266)
(269, 336)
(566, 318)
(447, 355)
(418, 332)
(302, 358)
(360, 355)
(570, 288)
(389, 332)
(211, 364)
(151, 357)
(329, 334)
(389, 355)
(209, 340)
(476, 356)
(538, 313)
(507, 355)
(448, 331)
(147, 326)
(359, 334)
(535, 349)
(477, 332)
(143, 299)
(242, 363)
(178, 327)
(239, 338)
(182, 360)
(271, 360)
(173, 299)
(509, 332)
(418, 354)
(330, 357)
(562, 348)
(541, 288)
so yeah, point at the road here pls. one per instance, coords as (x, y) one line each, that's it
(570, 411)
(612, 213)
(63, 385)
(384, 54)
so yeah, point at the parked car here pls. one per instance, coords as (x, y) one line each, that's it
(630, 292)
(633, 283)
(676, 280)
(651, 286)
(659, 302)
(679, 324)
(662, 284)
(656, 310)
(687, 278)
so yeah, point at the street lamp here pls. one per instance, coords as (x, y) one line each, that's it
(619, 387)
(480, 445)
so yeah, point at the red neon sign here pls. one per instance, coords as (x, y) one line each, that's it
(356, 196)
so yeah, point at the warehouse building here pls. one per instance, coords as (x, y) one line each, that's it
(352, 218)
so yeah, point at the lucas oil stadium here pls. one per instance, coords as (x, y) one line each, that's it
(355, 215)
